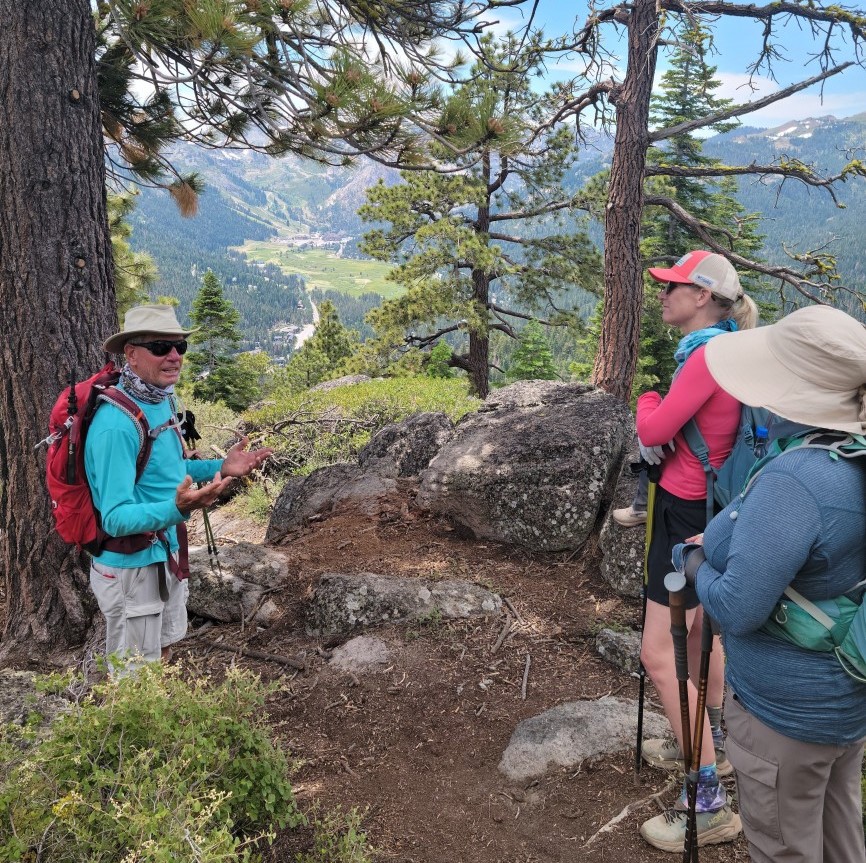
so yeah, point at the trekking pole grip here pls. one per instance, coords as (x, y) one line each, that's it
(675, 582)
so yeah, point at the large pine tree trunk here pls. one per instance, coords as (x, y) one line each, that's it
(616, 361)
(56, 296)
(479, 365)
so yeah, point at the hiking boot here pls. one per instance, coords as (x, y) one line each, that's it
(668, 830)
(628, 516)
(665, 752)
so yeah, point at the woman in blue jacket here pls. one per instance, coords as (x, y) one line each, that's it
(796, 718)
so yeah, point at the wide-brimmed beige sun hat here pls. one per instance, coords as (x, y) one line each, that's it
(809, 367)
(152, 318)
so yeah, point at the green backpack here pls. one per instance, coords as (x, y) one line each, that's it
(836, 625)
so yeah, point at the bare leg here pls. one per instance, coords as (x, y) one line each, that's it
(657, 655)
(716, 678)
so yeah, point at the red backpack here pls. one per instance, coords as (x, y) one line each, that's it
(76, 519)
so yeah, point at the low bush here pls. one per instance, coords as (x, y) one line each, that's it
(337, 838)
(319, 427)
(147, 768)
(214, 422)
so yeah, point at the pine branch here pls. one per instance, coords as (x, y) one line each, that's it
(745, 108)
(801, 282)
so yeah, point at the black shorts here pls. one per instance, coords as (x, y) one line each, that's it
(674, 520)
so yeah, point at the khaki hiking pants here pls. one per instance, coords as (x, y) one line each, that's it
(138, 622)
(799, 802)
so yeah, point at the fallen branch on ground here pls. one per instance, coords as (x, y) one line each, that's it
(258, 654)
(628, 810)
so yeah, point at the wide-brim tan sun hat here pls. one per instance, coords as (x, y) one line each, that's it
(150, 319)
(809, 367)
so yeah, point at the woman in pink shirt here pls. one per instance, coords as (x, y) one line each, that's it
(702, 297)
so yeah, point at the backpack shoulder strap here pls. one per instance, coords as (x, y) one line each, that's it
(697, 444)
(126, 405)
(836, 444)
(700, 450)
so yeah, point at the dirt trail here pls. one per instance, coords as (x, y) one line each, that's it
(417, 745)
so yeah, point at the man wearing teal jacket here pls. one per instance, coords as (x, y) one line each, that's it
(143, 594)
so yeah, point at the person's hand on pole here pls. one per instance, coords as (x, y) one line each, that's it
(687, 558)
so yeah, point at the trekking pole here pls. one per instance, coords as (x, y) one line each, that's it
(675, 582)
(653, 473)
(690, 851)
(212, 548)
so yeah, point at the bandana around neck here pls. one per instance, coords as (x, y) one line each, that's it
(139, 389)
(689, 343)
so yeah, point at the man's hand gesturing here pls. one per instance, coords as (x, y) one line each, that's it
(189, 497)
(239, 462)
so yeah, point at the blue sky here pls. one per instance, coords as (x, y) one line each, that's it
(737, 41)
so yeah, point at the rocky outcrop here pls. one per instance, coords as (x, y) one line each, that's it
(343, 603)
(324, 491)
(345, 381)
(533, 467)
(566, 735)
(361, 654)
(22, 701)
(406, 448)
(622, 547)
(236, 588)
(621, 649)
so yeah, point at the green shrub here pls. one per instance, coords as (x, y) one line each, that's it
(147, 768)
(337, 838)
(213, 421)
(256, 500)
(316, 428)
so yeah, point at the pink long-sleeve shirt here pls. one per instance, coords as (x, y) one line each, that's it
(693, 393)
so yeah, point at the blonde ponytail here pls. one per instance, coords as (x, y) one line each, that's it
(743, 311)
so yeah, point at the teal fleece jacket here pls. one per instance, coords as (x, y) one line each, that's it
(127, 507)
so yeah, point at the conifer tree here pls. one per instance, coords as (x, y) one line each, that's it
(532, 359)
(483, 246)
(214, 370)
(687, 92)
(134, 271)
(324, 354)
(331, 338)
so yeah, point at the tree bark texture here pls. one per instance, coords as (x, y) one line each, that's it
(57, 296)
(616, 361)
(479, 343)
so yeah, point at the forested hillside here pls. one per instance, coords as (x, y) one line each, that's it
(251, 196)
(797, 217)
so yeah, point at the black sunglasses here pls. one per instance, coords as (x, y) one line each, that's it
(670, 287)
(162, 348)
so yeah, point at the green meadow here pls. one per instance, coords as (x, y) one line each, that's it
(322, 269)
